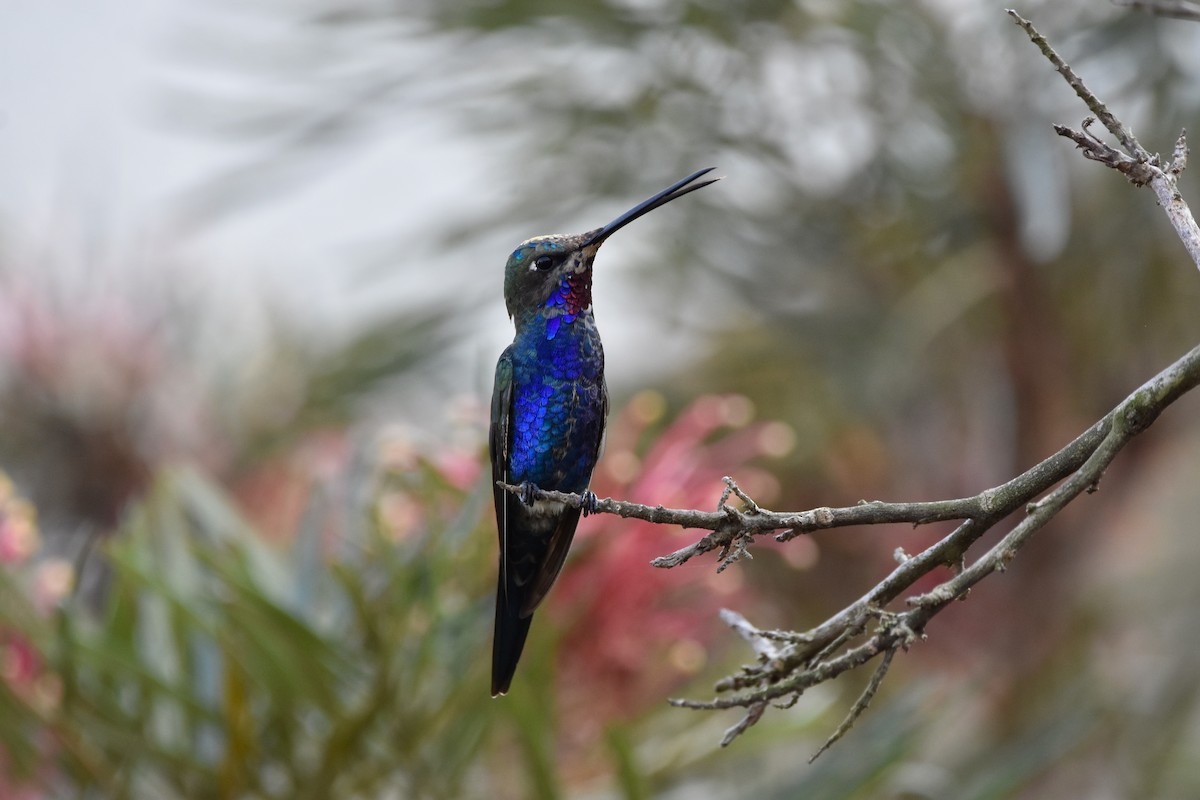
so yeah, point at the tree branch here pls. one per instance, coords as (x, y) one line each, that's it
(1138, 166)
(818, 655)
(790, 662)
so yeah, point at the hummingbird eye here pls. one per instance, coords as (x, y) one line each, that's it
(543, 263)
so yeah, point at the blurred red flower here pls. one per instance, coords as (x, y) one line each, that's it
(634, 632)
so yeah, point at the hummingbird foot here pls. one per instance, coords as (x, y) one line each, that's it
(528, 490)
(590, 502)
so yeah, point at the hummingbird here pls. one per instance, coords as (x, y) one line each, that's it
(549, 405)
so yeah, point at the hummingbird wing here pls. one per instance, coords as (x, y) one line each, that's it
(511, 627)
(500, 443)
(560, 541)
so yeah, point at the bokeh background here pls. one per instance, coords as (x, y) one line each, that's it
(250, 301)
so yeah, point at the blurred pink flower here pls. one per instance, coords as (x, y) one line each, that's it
(18, 537)
(18, 529)
(20, 663)
(461, 468)
(53, 580)
(400, 513)
(275, 492)
(23, 672)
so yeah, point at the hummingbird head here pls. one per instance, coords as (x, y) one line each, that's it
(554, 272)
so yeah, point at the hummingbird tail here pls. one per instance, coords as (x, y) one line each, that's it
(508, 641)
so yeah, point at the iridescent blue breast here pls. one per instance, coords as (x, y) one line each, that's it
(558, 403)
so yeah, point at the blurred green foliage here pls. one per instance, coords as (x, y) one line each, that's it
(220, 667)
(214, 664)
(905, 266)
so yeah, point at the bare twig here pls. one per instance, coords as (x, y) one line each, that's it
(753, 714)
(859, 706)
(1114, 125)
(1180, 156)
(763, 643)
(1138, 165)
(1139, 173)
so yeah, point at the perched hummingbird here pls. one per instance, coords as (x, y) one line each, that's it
(549, 404)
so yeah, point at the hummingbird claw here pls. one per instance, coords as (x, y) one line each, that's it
(527, 492)
(590, 502)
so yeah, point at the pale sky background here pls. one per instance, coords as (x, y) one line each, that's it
(82, 138)
(87, 157)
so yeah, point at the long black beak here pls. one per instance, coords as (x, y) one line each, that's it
(660, 199)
